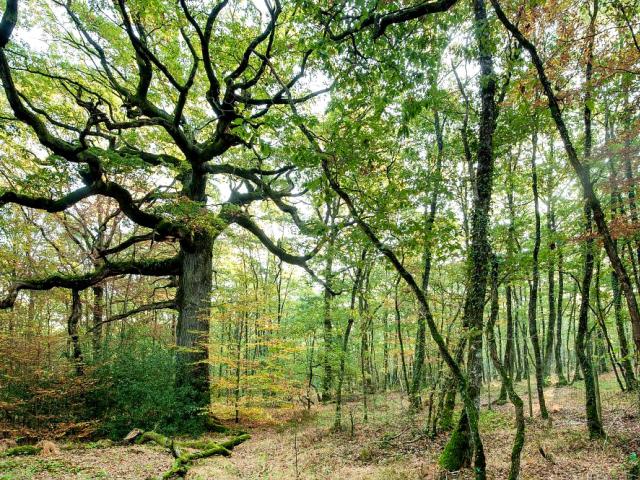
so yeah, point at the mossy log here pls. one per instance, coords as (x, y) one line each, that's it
(182, 463)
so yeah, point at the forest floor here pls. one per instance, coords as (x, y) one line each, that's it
(390, 446)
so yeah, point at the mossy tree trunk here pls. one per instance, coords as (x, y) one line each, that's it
(98, 318)
(193, 299)
(465, 441)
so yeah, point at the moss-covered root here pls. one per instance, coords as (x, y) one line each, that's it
(154, 437)
(181, 466)
(455, 455)
(21, 450)
(204, 449)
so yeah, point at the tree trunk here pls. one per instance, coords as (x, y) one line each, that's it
(558, 350)
(430, 215)
(518, 442)
(616, 208)
(508, 350)
(98, 317)
(327, 325)
(551, 326)
(193, 299)
(72, 329)
(593, 419)
(533, 290)
(337, 424)
(458, 451)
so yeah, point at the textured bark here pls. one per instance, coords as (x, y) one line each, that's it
(194, 309)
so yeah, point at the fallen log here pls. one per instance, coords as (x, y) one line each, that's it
(183, 461)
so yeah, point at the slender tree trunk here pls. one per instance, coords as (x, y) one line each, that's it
(98, 317)
(516, 337)
(533, 290)
(327, 324)
(508, 351)
(625, 354)
(400, 340)
(584, 359)
(337, 424)
(418, 366)
(548, 351)
(518, 442)
(558, 349)
(616, 208)
(72, 329)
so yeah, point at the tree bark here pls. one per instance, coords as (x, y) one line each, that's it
(193, 299)
(327, 324)
(337, 424)
(508, 361)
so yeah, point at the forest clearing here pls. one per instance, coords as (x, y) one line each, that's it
(320, 239)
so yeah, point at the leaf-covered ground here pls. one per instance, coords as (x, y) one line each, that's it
(389, 446)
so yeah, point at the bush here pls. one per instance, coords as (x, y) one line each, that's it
(137, 390)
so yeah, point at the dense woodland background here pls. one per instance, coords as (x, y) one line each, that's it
(217, 215)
